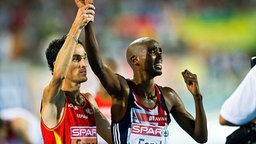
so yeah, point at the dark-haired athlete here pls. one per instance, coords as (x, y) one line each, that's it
(67, 114)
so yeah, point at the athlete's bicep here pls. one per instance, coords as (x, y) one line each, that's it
(173, 101)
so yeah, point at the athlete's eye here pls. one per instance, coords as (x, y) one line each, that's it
(76, 58)
(154, 51)
(151, 51)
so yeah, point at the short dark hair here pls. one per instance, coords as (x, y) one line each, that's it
(53, 50)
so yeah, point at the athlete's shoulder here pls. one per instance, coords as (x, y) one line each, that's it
(169, 93)
(170, 96)
(167, 90)
(89, 97)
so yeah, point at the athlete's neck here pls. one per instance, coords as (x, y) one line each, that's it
(144, 89)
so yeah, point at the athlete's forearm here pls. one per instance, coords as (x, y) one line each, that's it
(200, 129)
(92, 49)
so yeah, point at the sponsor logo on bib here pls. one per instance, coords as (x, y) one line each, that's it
(83, 132)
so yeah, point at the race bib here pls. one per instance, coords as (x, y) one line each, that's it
(148, 134)
(83, 134)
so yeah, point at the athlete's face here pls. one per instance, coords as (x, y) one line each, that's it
(152, 58)
(77, 70)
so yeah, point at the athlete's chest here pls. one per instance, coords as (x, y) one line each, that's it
(153, 116)
(78, 113)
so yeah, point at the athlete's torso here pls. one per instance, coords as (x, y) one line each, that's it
(77, 124)
(143, 125)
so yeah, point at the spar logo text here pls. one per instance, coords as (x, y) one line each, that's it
(82, 132)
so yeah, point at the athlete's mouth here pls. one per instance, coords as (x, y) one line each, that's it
(83, 72)
(158, 65)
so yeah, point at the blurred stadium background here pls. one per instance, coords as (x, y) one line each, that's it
(213, 38)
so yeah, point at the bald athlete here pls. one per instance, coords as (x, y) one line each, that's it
(140, 108)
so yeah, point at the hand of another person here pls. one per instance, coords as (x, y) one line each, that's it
(191, 82)
(81, 3)
(84, 15)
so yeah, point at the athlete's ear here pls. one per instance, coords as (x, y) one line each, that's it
(53, 67)
(134, 60)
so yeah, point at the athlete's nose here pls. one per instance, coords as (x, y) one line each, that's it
(83, 63)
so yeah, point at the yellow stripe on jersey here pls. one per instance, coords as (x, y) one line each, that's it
(57, 138)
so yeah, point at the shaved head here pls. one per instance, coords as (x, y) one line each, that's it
(135, 48)
(140, 40)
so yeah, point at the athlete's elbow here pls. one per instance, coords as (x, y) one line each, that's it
(202, 138)
(223, 121)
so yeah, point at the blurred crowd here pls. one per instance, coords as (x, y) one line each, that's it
(214, 38)
(30, 23)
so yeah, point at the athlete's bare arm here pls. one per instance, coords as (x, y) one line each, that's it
(53, 97)
(103, 125)
(199, 130)
(195, 127)
(223, 121)
(116, 85)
